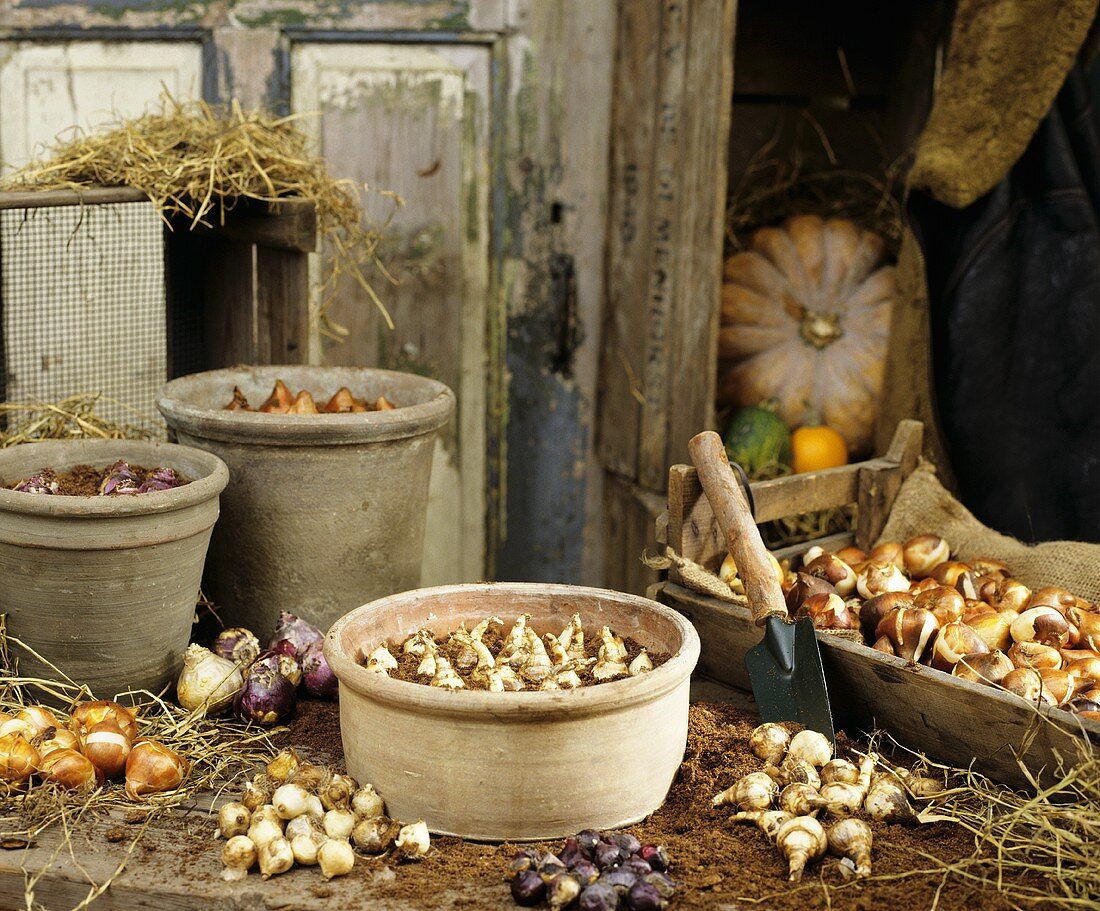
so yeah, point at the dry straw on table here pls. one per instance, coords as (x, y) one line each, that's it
(197, 163)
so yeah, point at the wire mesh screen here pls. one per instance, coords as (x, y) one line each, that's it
(83, 296)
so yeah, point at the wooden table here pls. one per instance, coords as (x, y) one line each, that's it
(175, 866)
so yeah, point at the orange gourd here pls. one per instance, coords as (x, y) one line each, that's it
(816, 447)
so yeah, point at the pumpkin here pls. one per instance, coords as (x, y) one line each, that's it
(758, 440)
(805, 318)
(816, 447)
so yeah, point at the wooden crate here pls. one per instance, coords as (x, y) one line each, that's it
(925, 709)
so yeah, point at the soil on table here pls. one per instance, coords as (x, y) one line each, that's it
(719, 864)
(84, 480)
(494, 639)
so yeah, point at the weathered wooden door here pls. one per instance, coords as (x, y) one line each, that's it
(490, 119)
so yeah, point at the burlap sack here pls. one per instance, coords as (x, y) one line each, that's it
(923, 506)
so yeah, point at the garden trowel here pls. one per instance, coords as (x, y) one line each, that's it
(785, 669)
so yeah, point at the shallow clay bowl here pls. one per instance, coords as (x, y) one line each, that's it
(515, 766)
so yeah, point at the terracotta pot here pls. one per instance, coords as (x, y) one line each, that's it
(515, 766)
(105, 587)
(323, 512)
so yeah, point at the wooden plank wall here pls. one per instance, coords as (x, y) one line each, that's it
(670, 128)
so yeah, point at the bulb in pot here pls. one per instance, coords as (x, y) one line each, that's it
(335, 858)
(812, 746)
(769, 742)
(446, 677)
(924, 553)
(852, 838)
(989, 667)
(238, 856)
(151, 768)
(207, 682)
(641, 664)
(801, 840)
(44, 482)
(754, 791)
(236, 644)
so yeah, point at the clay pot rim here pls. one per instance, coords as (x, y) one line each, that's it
(51, 453)
(216, 423)
(528, 705)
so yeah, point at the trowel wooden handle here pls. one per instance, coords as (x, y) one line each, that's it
(731, 509)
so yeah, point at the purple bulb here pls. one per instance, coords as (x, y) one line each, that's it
(644, 897)
(528, 889)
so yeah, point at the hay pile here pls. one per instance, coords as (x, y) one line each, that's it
(71, 418)
(197, 163)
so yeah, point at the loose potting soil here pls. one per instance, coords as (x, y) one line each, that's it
(84, 480)
(494, 639)
(719, 864)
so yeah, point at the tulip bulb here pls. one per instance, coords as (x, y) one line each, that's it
(1036, 655)
(1010, 594)
(801, 840)
(834, 571)
(754, 791)
(924, 553)
(56, 739)
(413, 841)
(1041, 624)
(946, 604)
(151, 768)
(769, 742)
(989, 668)
(948, 573)
(828, 611)
(88, 714)
(993, 629)
(852, 555)
(805, 586)
(1056, 598)
(815, 748)
(1059, 684)
(275, 857)
(800, 799)
(238, 856)
(20, 726)
(852, 838)
(888, 552)
(872, 612)
(233, 819)
(70, 769)
(878, 577)
(108, 748)
(38, 718)
(767, 821)
(1085, 669)
(911, 631)
(18, 758)
(954, 642)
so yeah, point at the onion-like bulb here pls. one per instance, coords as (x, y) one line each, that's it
(41, 719)
(70, 769)
(887, 801)
(256, 792)
(954, 642)
(275, 857)
(233, 819)
(238, 645)
(877, 578)
(336, 858)
(374, 834)
(993, 629)
(801, 840)
(290, 800)
(305, 846)
(18, 758)
(56, 739)
(1041, 624)
(108, 748)
(923, 554)
(911, 631)
(834, 571)
(888, 552)
(238, 856)
(1036, 655)
(851, 838)
(794, 770)
(339, 823)
(767, 821)
(769, 742)
(1027, 683)
(800, 799)
(815, 748)
(839, 771)
(367, 802)
(754, 791)
(88, 714)
(989, 668)
(413, 841)
(948, 573)
(151, 768)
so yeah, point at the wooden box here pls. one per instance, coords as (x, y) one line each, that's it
(949, 719)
